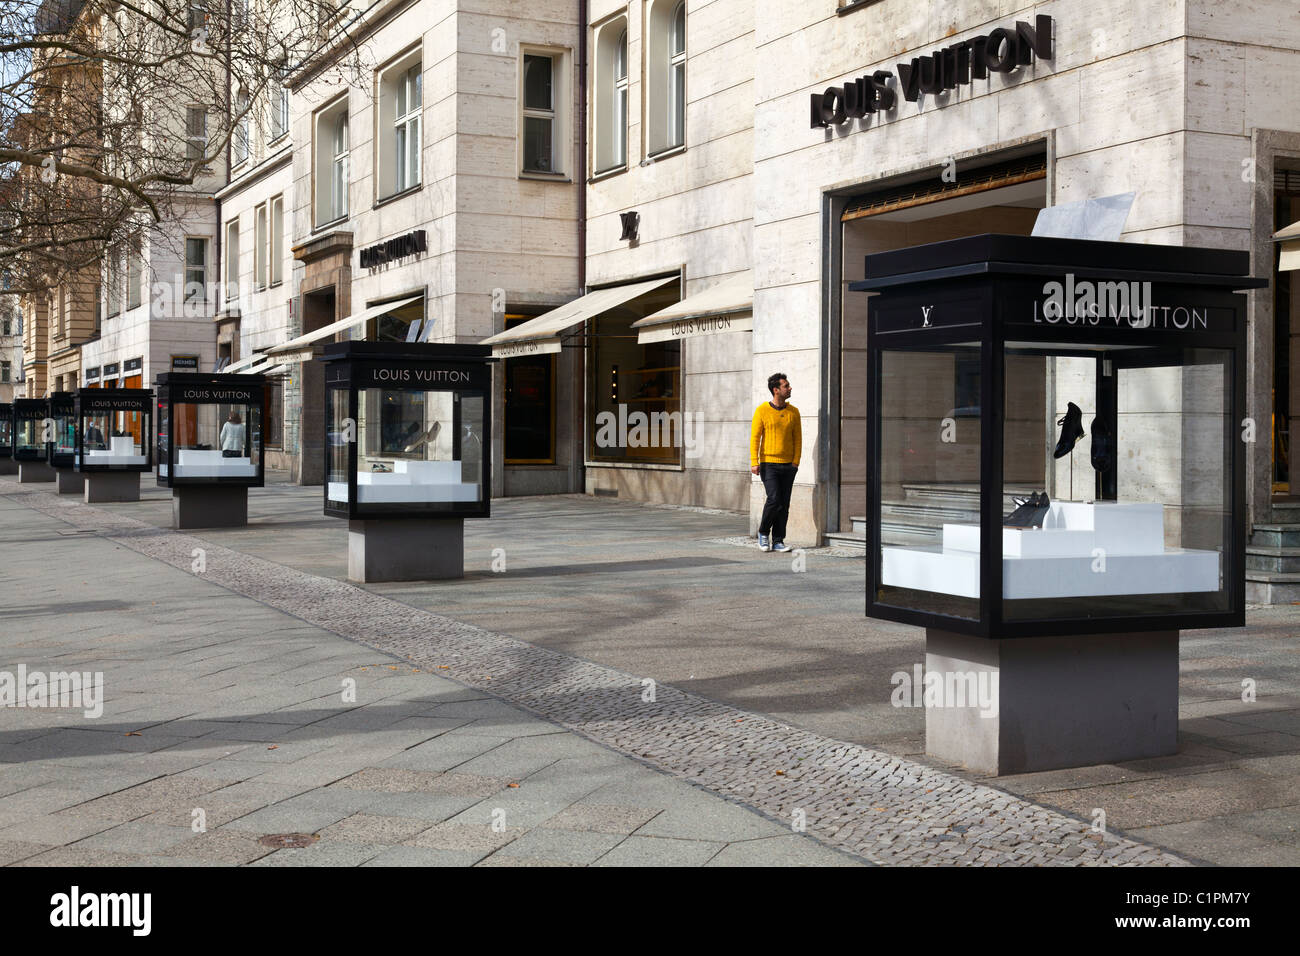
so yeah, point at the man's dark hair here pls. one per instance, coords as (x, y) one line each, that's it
(774, 380)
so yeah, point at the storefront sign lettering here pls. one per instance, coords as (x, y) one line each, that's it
(521, 348)
(215, 395)
(701, 326)
(1083, 302)
(420, 376)
(1002, 50)
(398, 248)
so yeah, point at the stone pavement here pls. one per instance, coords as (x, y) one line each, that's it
(875, 805)
(665, 593)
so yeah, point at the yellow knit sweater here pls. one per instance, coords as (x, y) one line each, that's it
(778, 432)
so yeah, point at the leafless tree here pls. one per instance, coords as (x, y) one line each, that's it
(118, 114)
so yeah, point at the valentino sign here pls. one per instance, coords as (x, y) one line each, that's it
(1003, 50)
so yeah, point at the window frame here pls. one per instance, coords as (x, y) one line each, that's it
(325, 199)
(676, 118)
(559, 115)
(232, 261)
(113, 281)
(240, 141)
(277, 107)
(196, 143)
(395, 82)
(665, 76)
(134, 272)
(611, 97)
(261, 230)
(202, 296)
(276, 250)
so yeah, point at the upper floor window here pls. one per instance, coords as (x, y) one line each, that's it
(543, 117)
(278, 95)
(277, 240)
(196, 132)
(134, 271)
(401, 101)
(196, 270)
(232, 262)
(611, 93)
(332, 151)
(666, 76)
(241, 127)
(113, 279)
(261, 247)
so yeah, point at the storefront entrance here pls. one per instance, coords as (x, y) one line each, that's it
(1003, 196)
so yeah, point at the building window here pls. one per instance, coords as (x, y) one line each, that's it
(530, 406)
(677, 77)
(666, 76)
(260, 250)
(134, 271)
(401, 101)
(332, 152)
(539, 114)
(241, 127)
(4, 372)
(634, 383)
(198, 16)
(196, 270)
(274, 414)
(232, 261)
(611, 92)
(114, 280)
(406, 128)
(196, 133)
(279, 100)
(399, 325)
(277, 240)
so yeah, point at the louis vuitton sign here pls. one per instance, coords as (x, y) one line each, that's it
(1003, 50)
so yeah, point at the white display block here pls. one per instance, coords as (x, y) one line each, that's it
(120, 451)
(209, 463)
(410, 482)
(1082, 550)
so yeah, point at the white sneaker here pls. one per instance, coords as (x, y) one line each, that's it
(764, 543)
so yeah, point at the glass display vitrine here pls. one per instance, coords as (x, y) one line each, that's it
(407, 430)
(1055, 437)
(114, 429)
(30, 429)
(62, 448)
(6, 430)
(210, 429)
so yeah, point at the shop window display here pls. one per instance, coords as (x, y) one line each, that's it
(1054, 444)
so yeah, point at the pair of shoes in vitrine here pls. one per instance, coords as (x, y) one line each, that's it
(1029, 512)
(1103, 442)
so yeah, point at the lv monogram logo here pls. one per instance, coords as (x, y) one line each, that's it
(925, 315)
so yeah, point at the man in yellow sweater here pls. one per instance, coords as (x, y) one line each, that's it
(775, 445)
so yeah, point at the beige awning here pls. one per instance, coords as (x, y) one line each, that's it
(725, 307)
(1290, 239)
(301, 348)
(543, 334)
(234, 367)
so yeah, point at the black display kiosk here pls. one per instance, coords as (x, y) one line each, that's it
(33, 431)
(407, 455)
(210, 445)
(61, 451)
(7, 464)
(1055, 484)
(114, 441)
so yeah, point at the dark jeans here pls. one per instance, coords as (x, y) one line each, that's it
(778, 481)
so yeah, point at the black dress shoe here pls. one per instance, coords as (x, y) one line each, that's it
(1031, 512)
(1071, 430)
(1103, 446)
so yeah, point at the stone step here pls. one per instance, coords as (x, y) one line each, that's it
(1278, 560)
(1275, 536)
(847, 540)
(1272, 587)
(858, 523)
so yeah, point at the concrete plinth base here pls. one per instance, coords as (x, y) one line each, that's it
(34, 471)
(1026, 704)
(68, 481)
(406, 549)
(112, 486)
(209, 506)
(8, 466)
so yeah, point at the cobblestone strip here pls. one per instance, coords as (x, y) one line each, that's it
(881, 807)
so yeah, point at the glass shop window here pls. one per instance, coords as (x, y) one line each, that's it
(530, 406)
(216, 440)
(636, 412)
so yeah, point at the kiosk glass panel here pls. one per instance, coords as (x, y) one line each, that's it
(215, 440)
(930, 434)
(6, 430)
